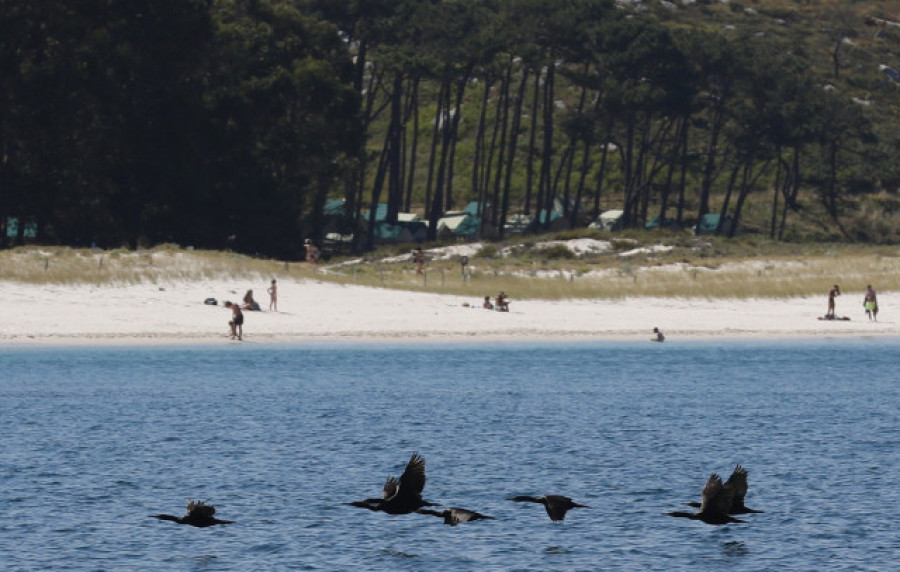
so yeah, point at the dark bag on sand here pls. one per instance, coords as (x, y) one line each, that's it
(211, 302)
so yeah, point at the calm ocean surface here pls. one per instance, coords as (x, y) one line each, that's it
(94, 440)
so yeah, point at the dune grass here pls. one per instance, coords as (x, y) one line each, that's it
(58, 265)
(717, 269)
(637, 264)
(734, 279)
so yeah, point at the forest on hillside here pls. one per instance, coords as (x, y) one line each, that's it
(228, 124)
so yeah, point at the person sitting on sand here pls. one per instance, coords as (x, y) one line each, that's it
(657, 336)
(237, 321)
(502, 302)
(250, 303)
(832, 294)
(487, 303)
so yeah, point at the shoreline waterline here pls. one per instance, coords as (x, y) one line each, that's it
(400, 338)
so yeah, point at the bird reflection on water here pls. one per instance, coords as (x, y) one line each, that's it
(735, 548)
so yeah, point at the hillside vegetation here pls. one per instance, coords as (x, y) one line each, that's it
(227, 125)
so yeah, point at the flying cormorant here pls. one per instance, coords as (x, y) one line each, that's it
(556, 505)
(737, 485)
(716, 501)
(198, 514)
(403, 495)
(454, 515)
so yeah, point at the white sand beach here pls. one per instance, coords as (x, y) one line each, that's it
(310, 310)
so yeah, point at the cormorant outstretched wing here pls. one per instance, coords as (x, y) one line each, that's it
(737, 483)
(391, 488)
(715, 499)
(412, 481)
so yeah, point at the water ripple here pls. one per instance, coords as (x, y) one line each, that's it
(278, 438)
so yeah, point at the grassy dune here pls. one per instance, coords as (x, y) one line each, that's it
(770, 278)
(671, 266)
(57, 265)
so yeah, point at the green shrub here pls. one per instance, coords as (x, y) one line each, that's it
(556, 252)
(488, 251)
(620, 244)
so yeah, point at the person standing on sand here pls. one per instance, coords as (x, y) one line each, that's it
(273, 296)
(834, 293)
(870, 303)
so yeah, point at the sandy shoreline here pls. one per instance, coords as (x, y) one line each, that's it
(312, 311)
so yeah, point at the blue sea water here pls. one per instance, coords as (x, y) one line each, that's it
(95, 440)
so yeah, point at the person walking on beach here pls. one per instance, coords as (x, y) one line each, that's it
(870, 303)
(312, 253)
(834, 293)
(237, 321)
(273, 296)
(419, 260)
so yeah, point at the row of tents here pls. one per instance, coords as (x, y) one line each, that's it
(13, 228)
(467, 224)
(411, 227)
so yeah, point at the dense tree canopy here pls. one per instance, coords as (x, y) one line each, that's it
(218, 124)
(229, 123)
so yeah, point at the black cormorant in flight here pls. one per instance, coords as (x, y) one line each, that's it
(198, 514)
(403, 495)
(454, 515)
(715, 504)
(556, 505)
(737, 485)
